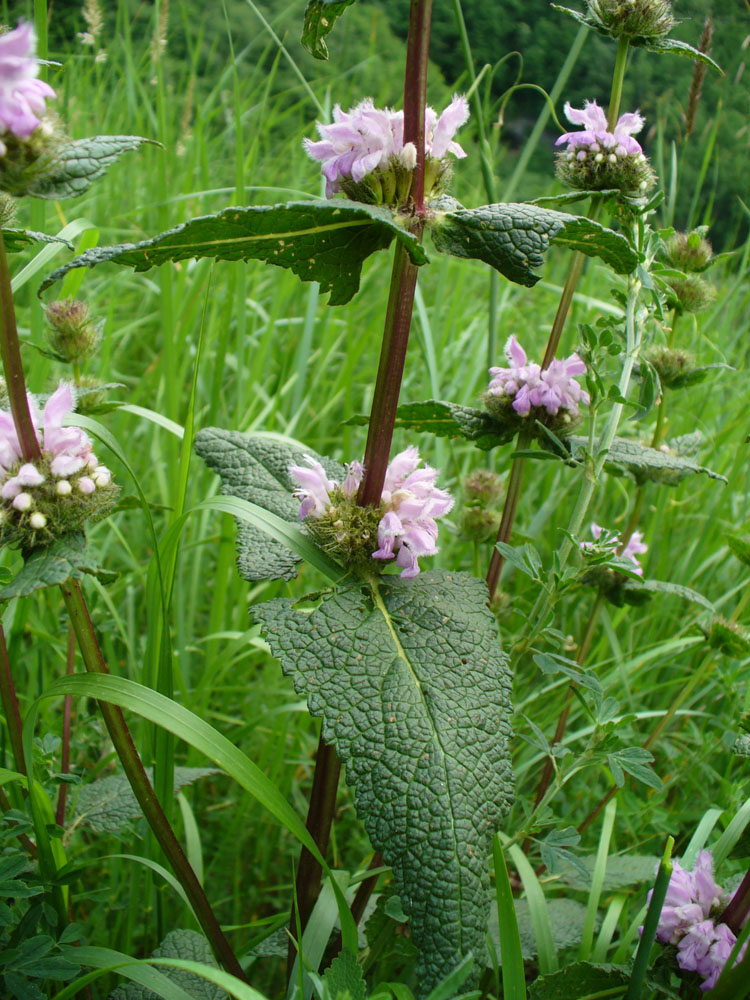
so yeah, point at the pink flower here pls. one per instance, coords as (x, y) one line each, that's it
(411, 504)
(635, 547)
(527, 385)
(595, 135)
(367, 138)
(21, 94)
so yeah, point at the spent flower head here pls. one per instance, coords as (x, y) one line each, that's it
(596, 159)
(403, 526)
(690, 251)
(68, 487)
(22, 94)
(363, 153)
(73, 336)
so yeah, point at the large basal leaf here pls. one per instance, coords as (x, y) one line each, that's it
(566, 916)
(582, 981)
(78, 164)
(185, 944)
(622, 871)
(323, 241)
(109, 806)
(644, 464)
(513, 238)
(18, 239)
(63, 559)
(434, 416)
(415, 694)
(320, 16)
(256, 468)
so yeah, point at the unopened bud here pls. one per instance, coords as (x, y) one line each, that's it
(483, 485)
(86, 485)
(72, 336)
(632, 18)
(690, 294)
(22, 501)
(63, 488)
(37, 520)
(673, 366)
(690, 251)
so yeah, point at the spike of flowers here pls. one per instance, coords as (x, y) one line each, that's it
(596, 159)
(62, 492)
(363, 153)
(703, 944)
(404, 525)
(22, 94)
(528, 390)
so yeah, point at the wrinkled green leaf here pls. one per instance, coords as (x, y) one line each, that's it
(513, 238)
(622, 872)
(109, 806)
(643, 464)
(665, 587)
(178, 944)
(582, 980)
(18, 239)
(257, 469)
(415, 694)
(78, 164)
(433, 416)
(64, 559)
(566, 920)
(344, 977)
(323, 241)
(666, 45)
(320, 16)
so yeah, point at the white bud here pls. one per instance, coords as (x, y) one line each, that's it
(643, 185)
(581, 155)
(599, 158)
(86, 485)
(408, 156)
(595, 147)
(23, 501)
(92, 462)
(63, 488)
(37, 520)
(612, 158)
(102, 478)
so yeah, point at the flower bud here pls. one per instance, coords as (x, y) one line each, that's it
(7, 210)
(72, 335)
(729, 638)
(38, 520)
(483, 486)
(690, 294)
(690, 251)
(632, 18)
(673, 366)
(478, 524)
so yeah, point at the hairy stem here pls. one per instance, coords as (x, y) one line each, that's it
(142, 789)
(62, 795)
(10, 352)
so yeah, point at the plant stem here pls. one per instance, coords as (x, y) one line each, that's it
(415, 90)
(509, 513)
(738, 907)
(10, 352)
(62, 794)
(319, 821)
(141, 786)
(618, 76)
(361, 898)
(571, 281)
(10, 707)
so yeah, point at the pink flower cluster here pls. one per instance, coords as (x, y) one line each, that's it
(595, 137)
(22, 95)
(703, 946)
(366, 138)
(68, 451)
(527, 385)
(410, 505)
(635, 546)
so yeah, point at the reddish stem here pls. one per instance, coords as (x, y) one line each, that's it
(62, 795)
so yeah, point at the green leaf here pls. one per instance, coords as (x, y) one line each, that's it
(78, 164)
(697, 375)
(566, 918)
(434, 416)
(740, 547)
(643, 464)
(63, 559)
(635, 761)
(582, 980)
(622, 871)
(631, 587)
(415, 694)
(256, 469)
(109, 806)
(320, 16)
(323, 241)
(513, 238)
(17, 239)
(344, 977)
(184, 944)
(666, 45)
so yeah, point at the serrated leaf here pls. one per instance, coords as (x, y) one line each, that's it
(320, 16)
(666, 45)
(566, 921)
(256, 469)
(109, 806)
(184, 944)
(665, 587)
(415, 694)
(643, 464)
(66, 558)
(323, 241)
(18, 239)
(443, 419)
(344, 978)
(582, 980)
(513, 238)
(622, 871)
(79, 163)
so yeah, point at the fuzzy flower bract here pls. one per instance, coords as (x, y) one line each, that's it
(405, 524)
(22, 95)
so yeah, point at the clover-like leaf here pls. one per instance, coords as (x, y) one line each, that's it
(18, 239)
(78, 164)
(414, 692)
(513, 238)
(643, 464)
(185, 944)
(320, 17)
(64, 559)
(324, 241)
(582, 980)
(256, 468)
